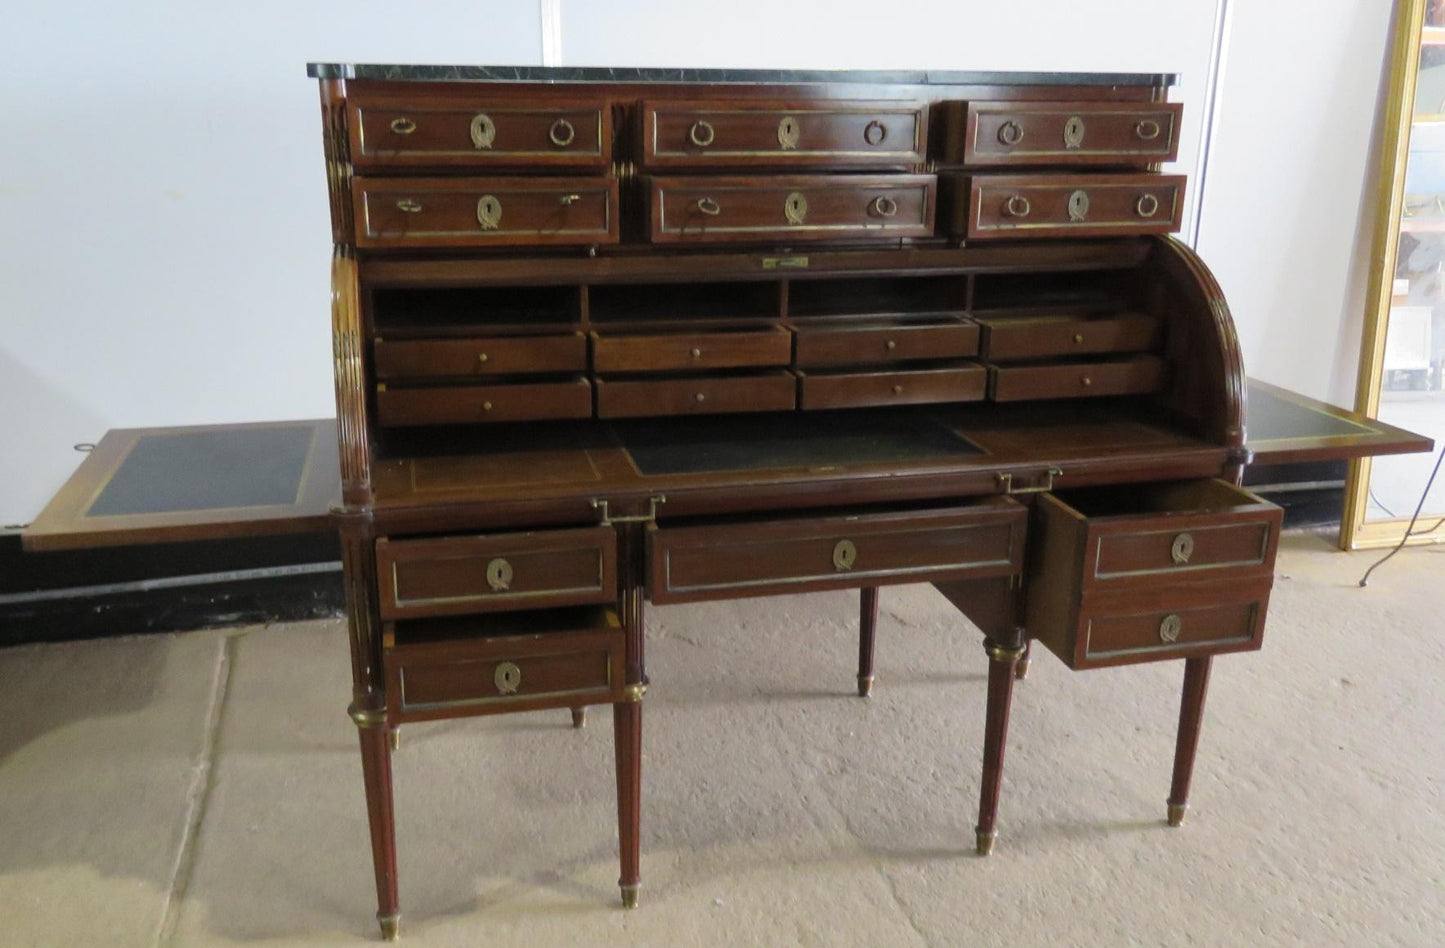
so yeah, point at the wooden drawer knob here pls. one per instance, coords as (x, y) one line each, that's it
(482, 357)
(700, 397)
(1086, 381)
(1170, 628)
(499, 574)
(890, 345)
(508, 678)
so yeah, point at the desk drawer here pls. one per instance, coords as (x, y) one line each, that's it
(457, 575)
(1000, 134)
(474, 404)
(696, 351)
(488, 665)
(484, 212)
(745, 133)
(1007, 338)
(791, 208)
(480, 133)
(1108, 565)
(721, 561)
(965, 383)
(496, 355)
(1135, 376)
(703, 395)
(867, 344)
(1012, 207)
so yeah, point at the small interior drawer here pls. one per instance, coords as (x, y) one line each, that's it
(488, 356)
(957, 383)
(485, 212)
(1000, 134)
(697, 395)
(1137, 375)
(443, 668)
(1010, 338)
(1177, 622)
(470, 404)
(758, 558)
(481, 132)
(866, 343)
(1018, 206)
(458, 575)
(691, 351)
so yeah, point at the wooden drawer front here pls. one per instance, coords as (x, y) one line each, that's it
(467, 404)
(465, 677)
(661, 352)
(865, 345)
(623, 398)
(755, 559)
(1139, 375)
(455, 575)
(860, 389)
(1177, 622)
(398, 133)
(1034, 337)
(765, 134)
(1017, 206)
(998, 134)
(485, 212)
(498, 355)
(799, 207)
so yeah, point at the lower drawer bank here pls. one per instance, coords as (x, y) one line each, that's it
(496, 664)
(1150, 572)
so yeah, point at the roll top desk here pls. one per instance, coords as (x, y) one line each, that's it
(605, 337)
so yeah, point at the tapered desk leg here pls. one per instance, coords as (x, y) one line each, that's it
(627, 727)
(1021, 670)
(867, 623)
(376, 771)
(1002, 660)
(1191, 713)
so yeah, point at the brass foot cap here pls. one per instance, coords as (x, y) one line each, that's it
(396, 738)
(579, 717)
(983, 841)
(629, 896)
(1176, 813)
(865, 685)
(1021, 670)
(390, 926)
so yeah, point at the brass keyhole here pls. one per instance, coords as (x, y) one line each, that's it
(1073, 132)
(508, 678)
(1078, 206)
(484, 131)
(1182, 548)
(489, 212)
(499, 575)
(788, 133)
(795, 208)
(845, 554)
(1170, 628)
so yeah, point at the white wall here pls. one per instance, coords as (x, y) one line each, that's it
(164, 236)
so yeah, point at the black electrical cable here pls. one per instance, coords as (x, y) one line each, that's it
(1411, 527)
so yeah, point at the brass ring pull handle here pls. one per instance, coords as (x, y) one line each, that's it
(875, 132)
(701, 134)
(489, 212)
(499, 574)
(1148, 206)
(1182, 548)
(484, 131)
(1017, 206)
(407, 205)
(570, 199)
(884, 206)
(1170, 628)
(1148, 130)
(507, 678)
(709, 207)
(403, 125)
(845, 554)
(1010, 133)
(561, 133)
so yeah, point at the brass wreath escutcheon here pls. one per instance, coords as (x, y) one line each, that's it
(561, 133)
(1170, 628)
(1010, 133)
(1073, 132)
(845, 554)
(701, 134)
(489, 212)
(484, 131)
(788, 133)
(499, 575)
(1182, 548)
(508, 678)
(795, 208)
(1078, 206)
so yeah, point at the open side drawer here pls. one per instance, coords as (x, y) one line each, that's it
(444, 668)
(1149, 572)
(497, 572)
(759, 558)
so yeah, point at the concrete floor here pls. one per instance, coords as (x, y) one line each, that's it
(205, 789)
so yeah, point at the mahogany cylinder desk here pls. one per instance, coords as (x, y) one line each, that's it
(606, 337)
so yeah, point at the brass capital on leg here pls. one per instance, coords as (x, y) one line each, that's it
(367, 717)
(1002, 653)
(390, 926)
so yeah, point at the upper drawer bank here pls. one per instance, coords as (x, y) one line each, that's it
(1009, 134)
(485, 212)
(1015, 206)
(482, 131)
(742, 134)
(790, 208)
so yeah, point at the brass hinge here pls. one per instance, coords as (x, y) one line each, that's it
(1006, 482)
(649, 517)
